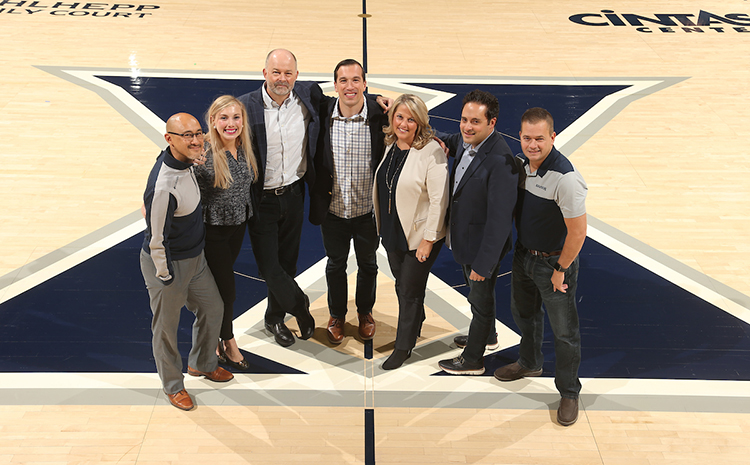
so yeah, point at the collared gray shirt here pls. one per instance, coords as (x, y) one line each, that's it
(352, 158)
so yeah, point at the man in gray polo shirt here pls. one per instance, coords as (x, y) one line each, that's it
(551, 225)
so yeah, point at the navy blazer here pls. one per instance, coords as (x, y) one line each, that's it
(481, 209)
(311, 95)
(320, 196)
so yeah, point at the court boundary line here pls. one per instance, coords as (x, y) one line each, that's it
(589, 127)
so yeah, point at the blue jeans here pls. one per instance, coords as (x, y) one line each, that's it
(530, 288)
(337, 235)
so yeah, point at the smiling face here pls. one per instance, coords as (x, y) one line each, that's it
(474, 125)
(536, 142)
(405, 126)
(350, 85)
(184, 149)
(280, 73)
(228, 123)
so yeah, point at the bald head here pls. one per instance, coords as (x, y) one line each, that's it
(281, 53)
(179, 121)
(184, 136)
(280, 74)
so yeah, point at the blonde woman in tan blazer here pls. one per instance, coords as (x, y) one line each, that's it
(410, 198)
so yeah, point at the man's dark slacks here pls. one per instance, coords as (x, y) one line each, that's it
(275, 234)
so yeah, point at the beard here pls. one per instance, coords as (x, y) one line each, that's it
(280, 89)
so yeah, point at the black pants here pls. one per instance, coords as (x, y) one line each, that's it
(337, 235)
(223, 244)
(482, 300)
(275, 233)
(411, 282)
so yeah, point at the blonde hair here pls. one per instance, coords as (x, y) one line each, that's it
(222, 176)
(418, 110)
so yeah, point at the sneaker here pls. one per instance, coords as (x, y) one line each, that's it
(460, 341)
(459, 366)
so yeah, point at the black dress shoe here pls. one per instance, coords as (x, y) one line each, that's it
(281, 333)
(306, 322)
(396, 359)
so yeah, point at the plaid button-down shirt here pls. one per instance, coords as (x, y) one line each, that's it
(352, 156)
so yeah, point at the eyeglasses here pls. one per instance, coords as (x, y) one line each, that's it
(188, 136)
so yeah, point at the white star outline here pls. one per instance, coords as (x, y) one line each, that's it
(335, 379)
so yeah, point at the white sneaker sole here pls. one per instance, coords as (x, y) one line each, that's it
(477, 372)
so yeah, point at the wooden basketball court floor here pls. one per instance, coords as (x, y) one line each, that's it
(653, 113)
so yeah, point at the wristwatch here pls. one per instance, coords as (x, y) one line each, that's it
(559, 268)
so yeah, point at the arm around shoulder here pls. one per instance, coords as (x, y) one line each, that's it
(437, 190)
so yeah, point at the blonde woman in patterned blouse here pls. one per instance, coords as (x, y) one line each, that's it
(224, 182)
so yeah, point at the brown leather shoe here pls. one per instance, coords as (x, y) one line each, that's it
(366, 326)
(335, 330)
(515, 371)
(219, 375)
(567, 412)
(181, 400)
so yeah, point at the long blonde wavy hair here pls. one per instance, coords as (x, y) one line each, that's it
(222, 176)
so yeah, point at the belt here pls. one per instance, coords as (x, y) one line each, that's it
(283, 189)
(544, 254)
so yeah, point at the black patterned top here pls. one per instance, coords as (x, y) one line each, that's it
(230, 206)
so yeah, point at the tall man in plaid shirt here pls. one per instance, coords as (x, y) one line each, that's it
(350, 147)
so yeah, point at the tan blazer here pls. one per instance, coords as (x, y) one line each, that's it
(421, 194)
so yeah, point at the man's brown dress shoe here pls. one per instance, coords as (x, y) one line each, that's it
(181, 400)
(515, 371)
(366, 326)
(335, 330)
(567, 412)
(219, 375)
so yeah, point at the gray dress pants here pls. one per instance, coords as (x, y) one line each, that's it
(193, 287)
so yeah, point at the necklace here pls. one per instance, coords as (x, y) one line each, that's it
(389, 183)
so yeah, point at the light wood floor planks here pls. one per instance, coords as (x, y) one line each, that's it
(670, 170)
(313, 435)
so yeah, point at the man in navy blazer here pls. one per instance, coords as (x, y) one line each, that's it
(484, 183)
(350, 147)
(284, 121)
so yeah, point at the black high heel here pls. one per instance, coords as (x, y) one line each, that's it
(222, 356)
(225, 360)
(396, 359)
